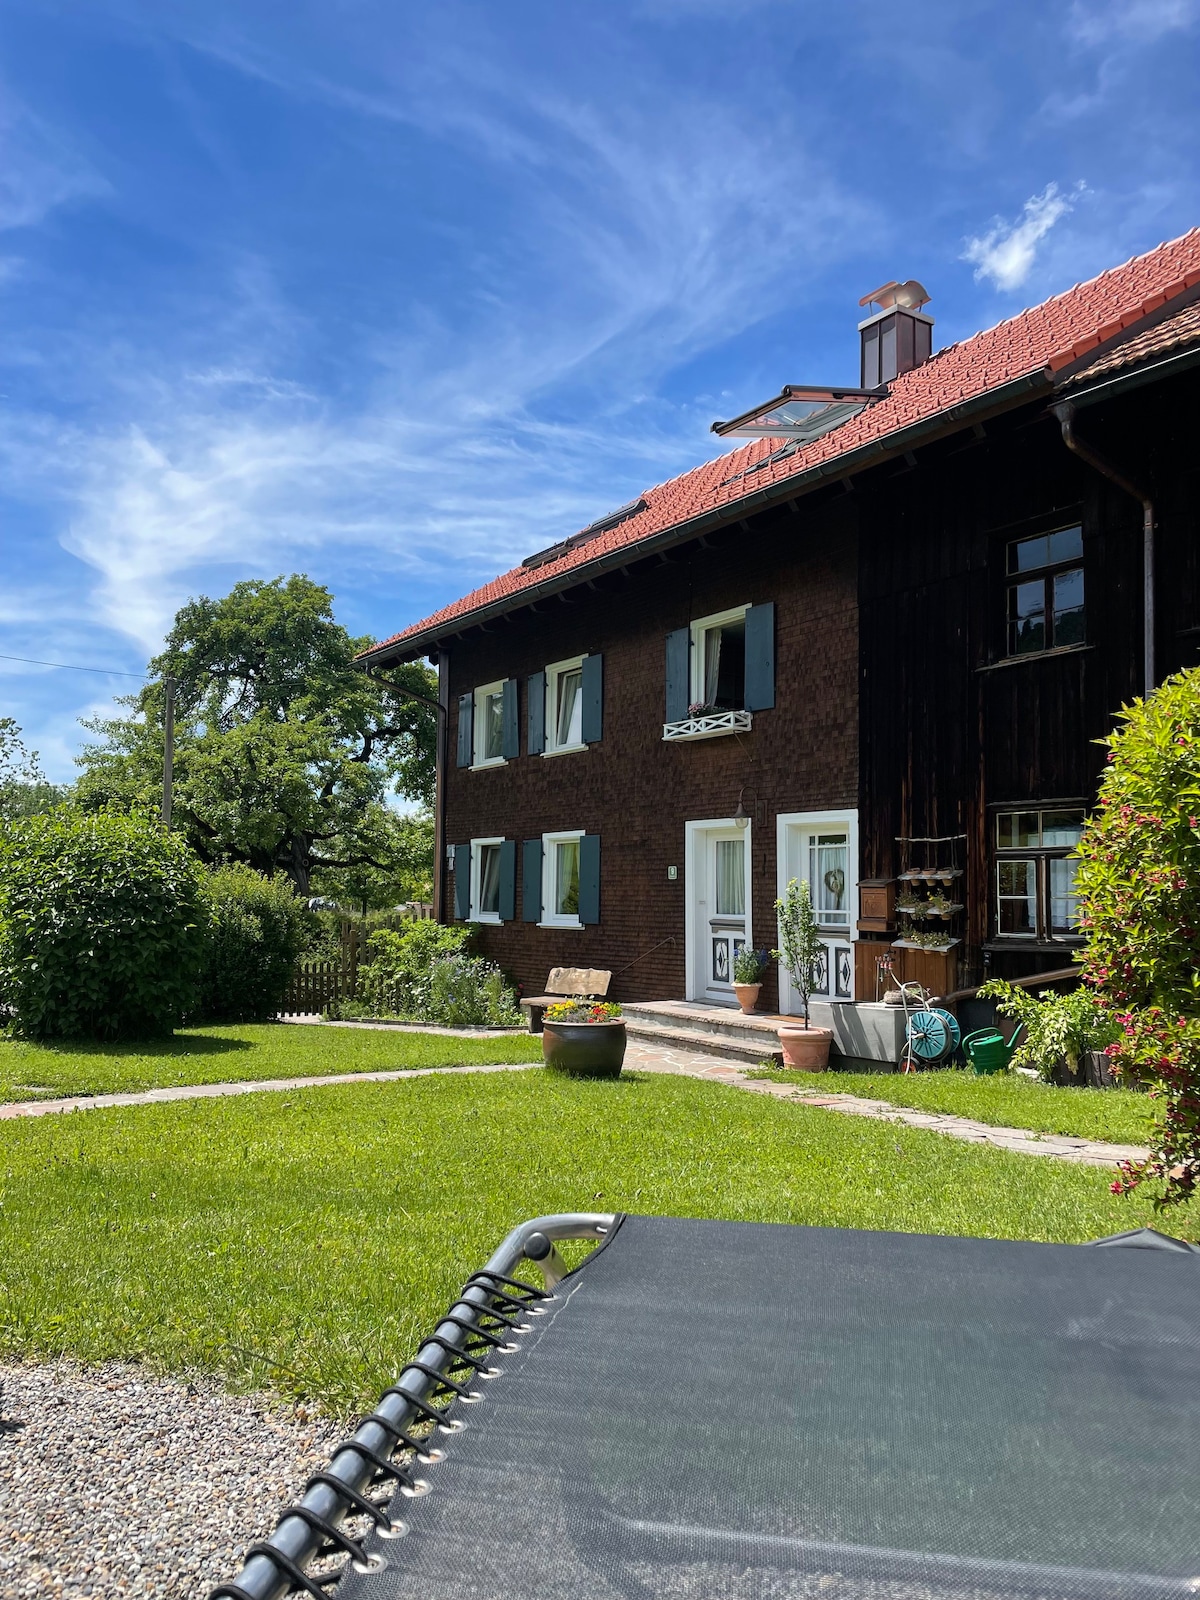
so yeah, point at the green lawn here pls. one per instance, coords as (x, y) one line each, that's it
(304, 1240)
(1120, 1116)
(239, 1053)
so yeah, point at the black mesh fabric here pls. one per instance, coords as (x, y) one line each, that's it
(762, 1412)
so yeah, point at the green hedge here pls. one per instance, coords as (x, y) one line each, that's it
(103, 924)
(256, 934)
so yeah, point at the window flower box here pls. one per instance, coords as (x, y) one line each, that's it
(709, 725)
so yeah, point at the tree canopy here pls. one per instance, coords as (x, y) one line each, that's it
(24, 789)
(286, 752)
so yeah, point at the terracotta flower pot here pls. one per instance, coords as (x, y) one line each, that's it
(806, 1049)
(747, 995)
(585, 1049)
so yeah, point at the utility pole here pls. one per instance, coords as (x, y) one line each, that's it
(168, 748)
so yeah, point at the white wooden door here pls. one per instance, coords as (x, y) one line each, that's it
(823, 854)
(720, 922)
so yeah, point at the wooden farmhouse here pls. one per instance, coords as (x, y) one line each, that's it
(873, 647)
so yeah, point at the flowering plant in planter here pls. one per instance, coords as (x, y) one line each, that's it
(800, 936)
(583, 1010)
(701, 708)
(749, 965)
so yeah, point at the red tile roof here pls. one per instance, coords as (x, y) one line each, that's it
(1040, 341)
(1165, 338)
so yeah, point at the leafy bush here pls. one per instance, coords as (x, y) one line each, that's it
(799, 935)
(395, 976)
(466, 991)
(256, 933)
(1139, 886)
(1059, 1028)
(102, 926)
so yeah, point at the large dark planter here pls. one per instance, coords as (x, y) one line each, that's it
(585, 1049)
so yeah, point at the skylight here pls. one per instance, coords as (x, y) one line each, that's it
(593, 531)
(803, 412)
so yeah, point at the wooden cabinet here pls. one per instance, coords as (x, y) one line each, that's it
(877, 905)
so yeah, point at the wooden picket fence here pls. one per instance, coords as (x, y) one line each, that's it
(316, 985)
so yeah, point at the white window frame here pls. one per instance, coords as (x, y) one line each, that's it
(550, 712)
(479, 719)
(696, 663)
(475, 914)
(551, 918)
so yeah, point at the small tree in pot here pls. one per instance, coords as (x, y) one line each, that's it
(800, 939)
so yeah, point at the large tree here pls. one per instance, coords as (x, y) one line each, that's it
(24, 788)
(286, 751)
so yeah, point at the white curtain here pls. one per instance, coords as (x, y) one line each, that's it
(567, 886)
(731, 877)
(568, 722)
(712, 664)
(489, 877)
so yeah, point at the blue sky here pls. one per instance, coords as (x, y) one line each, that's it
(395, 294)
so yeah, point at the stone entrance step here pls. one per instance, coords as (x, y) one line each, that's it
(715, 1030)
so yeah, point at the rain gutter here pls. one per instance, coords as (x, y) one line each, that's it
(1002, 398)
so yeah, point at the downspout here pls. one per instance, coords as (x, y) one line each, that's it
(1065, 412)
(442, 707)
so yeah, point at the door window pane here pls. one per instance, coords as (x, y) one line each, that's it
(568, 712)
(1016, 884)
(720, 959)
(1064, 908)
(566, 877)
(731, 877)
(1027, 617)
(828, 859)
(489, 879)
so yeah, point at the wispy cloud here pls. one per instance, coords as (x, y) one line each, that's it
(1006, 253)
(1103, 22)
(39, 169)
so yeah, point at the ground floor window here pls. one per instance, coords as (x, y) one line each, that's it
(560, 879)
(1035, 873)
(485, 880)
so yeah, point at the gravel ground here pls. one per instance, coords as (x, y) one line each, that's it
(113, 1483)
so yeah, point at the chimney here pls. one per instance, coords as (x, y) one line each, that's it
(897, 337)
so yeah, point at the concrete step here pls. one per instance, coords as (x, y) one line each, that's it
(721, 1021)
(747, 1051)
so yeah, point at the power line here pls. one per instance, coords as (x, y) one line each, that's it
(69, 666)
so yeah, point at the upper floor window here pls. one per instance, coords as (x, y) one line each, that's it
(718, 661)
(1035, 873)
(489, 724)
(1045, 592)
(564, 706)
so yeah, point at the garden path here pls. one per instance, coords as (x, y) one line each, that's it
(644, 1057)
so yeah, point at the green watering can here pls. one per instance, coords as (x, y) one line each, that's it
(987, 1050)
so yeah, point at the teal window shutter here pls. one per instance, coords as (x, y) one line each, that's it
(531, 881)
(592, 718)
(589, 878)
(462, 881)
(679, 664)
(508, 880)
(466, 728)
(536, 713)
(760, 657)
(511, 746)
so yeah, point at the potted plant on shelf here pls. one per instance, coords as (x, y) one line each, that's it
(747, 977)
(799, 934)
(584, 1037)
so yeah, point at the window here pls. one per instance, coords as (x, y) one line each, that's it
(1045, 592)
(1035, 874)
(564, 706)
(485, 879)
(560, 880)
(489, 725)
(718, 678)
(828, 861)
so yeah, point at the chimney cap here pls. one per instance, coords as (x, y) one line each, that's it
(911, 295)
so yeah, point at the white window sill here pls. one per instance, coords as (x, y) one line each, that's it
(482, 766)
(566, 750)
(485, 916)
(713, 726)
(560, 925)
